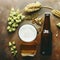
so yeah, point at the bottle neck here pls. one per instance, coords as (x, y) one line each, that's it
(47, 22)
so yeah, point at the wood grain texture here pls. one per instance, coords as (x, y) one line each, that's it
(5, 37)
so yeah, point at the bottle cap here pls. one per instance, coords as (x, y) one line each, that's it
(47, 13)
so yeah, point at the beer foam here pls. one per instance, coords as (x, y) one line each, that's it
(27, 33)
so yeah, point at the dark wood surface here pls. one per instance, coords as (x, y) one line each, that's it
(5, 37)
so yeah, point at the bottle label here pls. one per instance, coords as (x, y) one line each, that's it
(46, 31)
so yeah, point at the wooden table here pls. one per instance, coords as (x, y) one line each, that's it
(5, 37)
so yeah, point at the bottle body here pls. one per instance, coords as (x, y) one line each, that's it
(46, 43)
(46, 37)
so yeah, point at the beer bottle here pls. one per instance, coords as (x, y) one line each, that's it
(46, 36)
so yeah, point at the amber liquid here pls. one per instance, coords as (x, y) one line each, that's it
(28, 49)
(46, 37)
